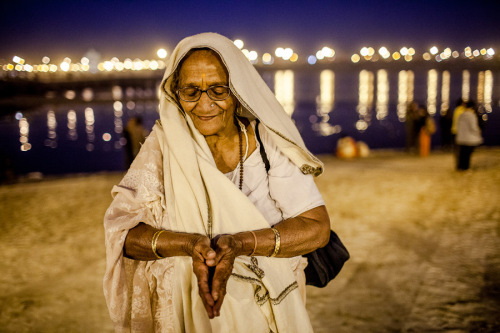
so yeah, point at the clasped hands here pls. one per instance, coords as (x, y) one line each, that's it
(213, 265)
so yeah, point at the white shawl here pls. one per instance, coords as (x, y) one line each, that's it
(199, 198)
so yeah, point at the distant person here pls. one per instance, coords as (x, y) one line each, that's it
(459, 109)
(411, 125)
(468, 135)
(445, 121)
(427, 127)
(346, 147)
(135, 134)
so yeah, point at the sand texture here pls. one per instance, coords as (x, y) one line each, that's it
(424, 241)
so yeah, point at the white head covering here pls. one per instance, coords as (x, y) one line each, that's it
(200, 199)
(257, 100)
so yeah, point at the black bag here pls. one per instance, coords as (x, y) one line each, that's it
(326, 262)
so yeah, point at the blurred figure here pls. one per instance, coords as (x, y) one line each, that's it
(426, 127)
(468, 135)
(347, 147)
(135, 134)
(362, 149)
(445, 121)
(411, 127)
(459, 109)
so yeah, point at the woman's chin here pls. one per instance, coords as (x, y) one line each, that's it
(207, 128)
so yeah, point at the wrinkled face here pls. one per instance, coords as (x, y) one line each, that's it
(203, 69)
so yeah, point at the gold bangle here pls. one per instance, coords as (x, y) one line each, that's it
(254, 243)
(277, 243)
(154, 240)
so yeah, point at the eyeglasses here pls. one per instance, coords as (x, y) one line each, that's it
(193, 94)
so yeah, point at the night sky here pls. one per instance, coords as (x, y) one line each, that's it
(33, 29)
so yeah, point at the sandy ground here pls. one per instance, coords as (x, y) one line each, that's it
(424, 241)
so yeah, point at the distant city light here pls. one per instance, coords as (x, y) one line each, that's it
(64, 66)
(18, 60)
(252, 55)
(287, 53)
(328, 52)
(239, 43)
(106, 137)
(384, 52)
(267, 59)
(108, 65)
(161, 53)
(319, 55)
(366, 53)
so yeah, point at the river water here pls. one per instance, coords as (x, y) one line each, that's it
(366, 104)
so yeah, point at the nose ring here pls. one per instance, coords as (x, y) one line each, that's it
(212, 105)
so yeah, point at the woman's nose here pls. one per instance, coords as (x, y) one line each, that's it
(205, 101)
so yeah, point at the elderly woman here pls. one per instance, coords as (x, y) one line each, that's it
(201, 236)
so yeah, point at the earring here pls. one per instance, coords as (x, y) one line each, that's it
(239, 110)
(212, 105)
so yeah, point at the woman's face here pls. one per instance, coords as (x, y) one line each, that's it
(203, 69)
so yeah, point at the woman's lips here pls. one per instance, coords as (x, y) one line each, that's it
(207, 118)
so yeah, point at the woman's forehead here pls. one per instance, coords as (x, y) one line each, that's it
(203, 65)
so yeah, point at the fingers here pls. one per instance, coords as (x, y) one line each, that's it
(201, 271)
(225, 247)
(202, 251)
(212, 289)
(218, 305)
(222, 273)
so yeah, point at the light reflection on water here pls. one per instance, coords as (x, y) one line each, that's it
(284, 89)
(371, 107)
(445, 93)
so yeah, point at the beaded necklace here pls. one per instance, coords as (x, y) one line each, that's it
(241, 157)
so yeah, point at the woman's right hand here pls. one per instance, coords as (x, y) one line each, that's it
(203, 257)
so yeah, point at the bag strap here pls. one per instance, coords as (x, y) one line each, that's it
(262, 149)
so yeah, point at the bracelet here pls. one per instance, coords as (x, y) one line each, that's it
(154, 240)
(277, 242)
(254, 243)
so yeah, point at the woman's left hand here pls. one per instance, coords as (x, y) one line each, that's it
(227, 248)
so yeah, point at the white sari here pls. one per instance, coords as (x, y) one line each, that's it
(174, 184)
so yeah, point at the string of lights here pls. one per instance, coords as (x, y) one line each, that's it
(281, 54)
